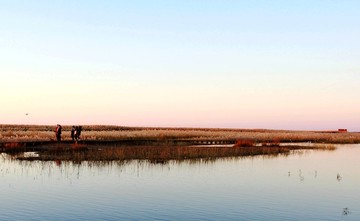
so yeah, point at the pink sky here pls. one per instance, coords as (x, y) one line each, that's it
(235, 64)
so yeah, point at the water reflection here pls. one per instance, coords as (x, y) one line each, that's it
(346, 212)
(232, 188)
(26, 159)
(26, 162)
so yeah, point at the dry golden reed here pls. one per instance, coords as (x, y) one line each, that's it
(14, 133)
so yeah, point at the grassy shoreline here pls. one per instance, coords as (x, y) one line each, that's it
(108, 143)
(159, 154)
(28, 133)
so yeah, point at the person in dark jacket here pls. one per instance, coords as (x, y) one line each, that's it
(78, 132)
(73, 133)
(58, 131)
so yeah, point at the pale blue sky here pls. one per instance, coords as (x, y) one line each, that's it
(246, 64)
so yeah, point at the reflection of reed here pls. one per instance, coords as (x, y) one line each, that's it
(346, 212)
(338, 177)
(70, 163)
(301, 177)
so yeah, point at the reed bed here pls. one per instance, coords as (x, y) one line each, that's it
(16, 133)
(160, 153)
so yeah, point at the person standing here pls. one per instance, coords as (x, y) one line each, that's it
(73, 133)
(79, 132)
(58, 131)
(76, 133)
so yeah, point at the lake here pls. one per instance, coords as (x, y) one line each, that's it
(305, 185)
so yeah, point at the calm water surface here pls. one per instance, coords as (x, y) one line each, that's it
(306, 185)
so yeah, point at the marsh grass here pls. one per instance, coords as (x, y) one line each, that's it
(323, 147)
(244, 143)
(159, 153)
(14, 133)
(155, 153)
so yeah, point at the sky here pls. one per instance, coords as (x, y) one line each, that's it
(273, 64)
